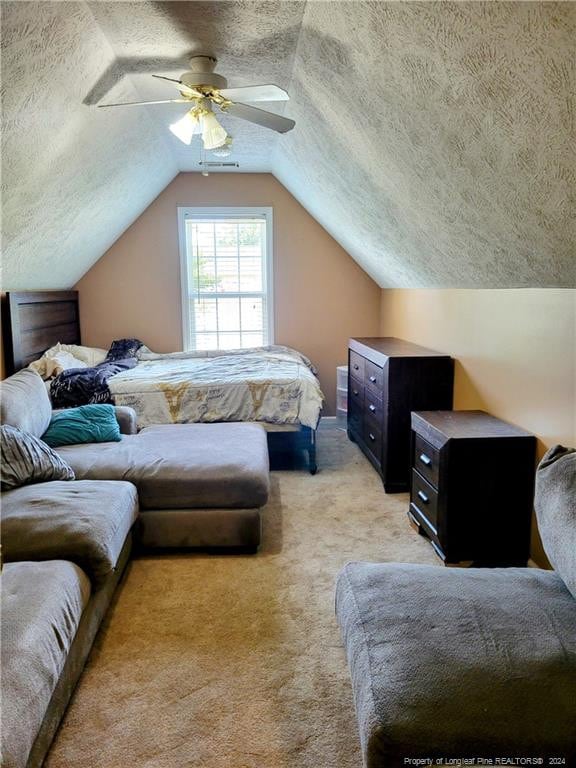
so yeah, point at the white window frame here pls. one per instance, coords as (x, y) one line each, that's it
(187, 212)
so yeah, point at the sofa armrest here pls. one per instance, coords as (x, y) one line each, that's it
(127, 420)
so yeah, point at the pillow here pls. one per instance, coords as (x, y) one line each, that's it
(123, 348)
(53, 363)
(85, 424)
(555, 505)
(90, 355)
(26, 459)
(39, 366)
(62, 357)
(143, 351)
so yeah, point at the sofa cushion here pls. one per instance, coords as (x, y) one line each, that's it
(95, 423)
(25, 403)
(42, 604)
(182, 466)
(27, 459)
(86, 522)
(459, 663)
(555, 505)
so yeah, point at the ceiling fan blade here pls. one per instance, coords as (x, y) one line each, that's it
(141, 103)
(182, 85)
(255, 93)
(260, 117)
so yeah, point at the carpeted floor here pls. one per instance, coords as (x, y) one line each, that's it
(236, 661)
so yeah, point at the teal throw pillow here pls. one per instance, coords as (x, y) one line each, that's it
(86, 424)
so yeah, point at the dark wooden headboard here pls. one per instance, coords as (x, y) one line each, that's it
(33, 321)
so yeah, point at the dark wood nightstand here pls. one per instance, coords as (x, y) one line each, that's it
(387, 379)
(472, 486)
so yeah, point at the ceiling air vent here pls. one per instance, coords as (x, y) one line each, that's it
(214, 164)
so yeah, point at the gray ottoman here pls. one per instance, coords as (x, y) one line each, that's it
(459, 663)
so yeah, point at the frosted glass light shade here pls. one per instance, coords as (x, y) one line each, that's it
(213, 135)
(225, 149)
(186, 127)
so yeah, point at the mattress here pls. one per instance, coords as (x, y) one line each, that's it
(275, 385)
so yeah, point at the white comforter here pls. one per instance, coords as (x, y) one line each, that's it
(271, 384)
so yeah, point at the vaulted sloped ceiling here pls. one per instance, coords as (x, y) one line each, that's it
(72, 179)
(435, 141)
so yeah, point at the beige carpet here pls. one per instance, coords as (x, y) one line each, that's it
(236, 661)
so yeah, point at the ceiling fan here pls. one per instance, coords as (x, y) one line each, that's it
(203, 89)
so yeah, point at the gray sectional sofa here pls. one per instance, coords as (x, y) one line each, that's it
(52, 606)
(65, 544)
(199, 485)
(472, 663)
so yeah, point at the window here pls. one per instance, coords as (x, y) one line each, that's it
(226, 271)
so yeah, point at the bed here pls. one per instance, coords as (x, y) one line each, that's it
(275, 386)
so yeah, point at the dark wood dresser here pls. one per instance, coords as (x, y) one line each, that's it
(472, 486)
(387, 379)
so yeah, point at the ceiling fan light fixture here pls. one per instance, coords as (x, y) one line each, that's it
(213, 134)
(186, 127)
(201, 88)
(225, 149)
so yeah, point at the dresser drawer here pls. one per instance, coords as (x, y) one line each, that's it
(425, 527)
(424, 499)
(356, 368)
(355, 420)
(373, 376)
(373, 437)
(426, 460)
(355, 395)
(373, 406)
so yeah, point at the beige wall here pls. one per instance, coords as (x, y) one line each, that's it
(321, 296)
(515, 352)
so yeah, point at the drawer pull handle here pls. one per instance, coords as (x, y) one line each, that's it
(354, 391)
(372, 408)
(371, 436)
(423, 496)
(438, 551)
(425, 459)
(373, 379)
(355, 367)
(413, 519)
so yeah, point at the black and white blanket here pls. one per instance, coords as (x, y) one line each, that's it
(81, 386)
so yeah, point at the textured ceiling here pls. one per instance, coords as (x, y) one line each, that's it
(255, 42)
(72, 179)
(437, 141)
(434, 141)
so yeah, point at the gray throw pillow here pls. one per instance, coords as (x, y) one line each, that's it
(555, 505)
(27, 459)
